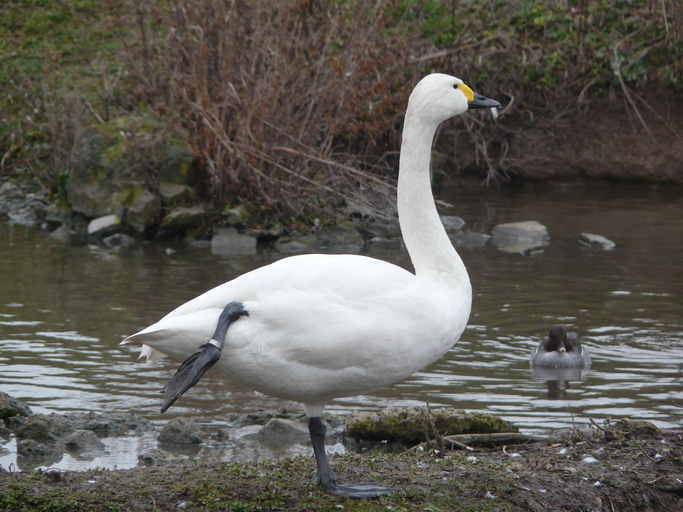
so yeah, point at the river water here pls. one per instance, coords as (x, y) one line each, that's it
(64, 309)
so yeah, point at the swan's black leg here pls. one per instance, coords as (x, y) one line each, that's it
(326, 477)
(192, 369)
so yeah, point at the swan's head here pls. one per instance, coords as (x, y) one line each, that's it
(438, 97)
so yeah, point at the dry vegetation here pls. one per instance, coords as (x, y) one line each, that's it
(294, 107)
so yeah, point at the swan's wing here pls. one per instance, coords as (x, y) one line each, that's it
(305, 282)
(347, 276)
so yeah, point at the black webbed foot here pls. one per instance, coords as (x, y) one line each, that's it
(189, 373)
(326, 477)
(194, 367)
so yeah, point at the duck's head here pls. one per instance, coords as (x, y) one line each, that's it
(438, 97)
(557, 339)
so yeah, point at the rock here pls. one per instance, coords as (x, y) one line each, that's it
(520, 237)
(119, 240)
(470, 239)
(10, 196)
(26, 209)
(236, 215)
(57, 213)
(246, 432)
(151, 457)
(181, 220)
(83, 440)
(342, 237)
(282, 432)
(596, 241)
(10, 406)
(268, 233)
(44, 428)
(143, 210)
(36, 449)
(61, 233)
(5, 433)
(382, 231)
(103, 226)
(228, 242)
(298, 244)
(180, 431)
(173, 194)
(109, 424)
(112, 160)
(452, 223)
(409, 426)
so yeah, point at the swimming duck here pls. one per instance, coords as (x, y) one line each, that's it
(561, 349)
(311, 328)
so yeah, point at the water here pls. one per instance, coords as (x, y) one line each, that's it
(64, 309)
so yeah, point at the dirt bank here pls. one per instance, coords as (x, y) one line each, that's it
(619, 467)
(605, 139)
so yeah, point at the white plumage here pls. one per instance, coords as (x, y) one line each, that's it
(326, 326)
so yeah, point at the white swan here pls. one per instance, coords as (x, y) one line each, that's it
(315, 327)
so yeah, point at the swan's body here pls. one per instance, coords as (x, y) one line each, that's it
(561, 349)
(318, 326)
(321, 326)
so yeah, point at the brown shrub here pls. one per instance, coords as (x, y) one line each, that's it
(280, 98)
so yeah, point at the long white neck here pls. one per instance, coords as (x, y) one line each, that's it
(428, 245)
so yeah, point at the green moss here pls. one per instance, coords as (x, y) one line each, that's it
(409, 426)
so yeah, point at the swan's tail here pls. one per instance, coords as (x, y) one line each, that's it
(147, 353)
(176, 336)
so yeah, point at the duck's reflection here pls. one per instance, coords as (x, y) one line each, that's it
(557, 379)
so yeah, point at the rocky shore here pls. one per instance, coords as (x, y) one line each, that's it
(439, 459)
(230, 234)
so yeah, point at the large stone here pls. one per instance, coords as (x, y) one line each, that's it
(112, 160)
(470, 239)
(103, 226)
(10, 195)
(44, 428)
(297, 244)
(342, 237)
(520, 237)
(236, 215)
(228, 242)
(40, 450)
(174, 194)
(596, 241)
(83, 440)
(283, 432)
(180, 431)
(143, 210)
(27, 209)
(182, 220)
(119, 240)
(10, 406)
(452, 223)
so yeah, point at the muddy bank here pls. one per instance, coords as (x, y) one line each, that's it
(604, 139)
(620, 466)
(440, 459)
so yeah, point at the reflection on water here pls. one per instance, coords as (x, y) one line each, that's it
(63, 310)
